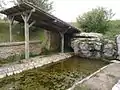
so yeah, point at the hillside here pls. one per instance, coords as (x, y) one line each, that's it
(38, 34)
(114, 29)
(18, 32)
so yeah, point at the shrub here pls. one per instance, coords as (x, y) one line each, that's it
(96, 20)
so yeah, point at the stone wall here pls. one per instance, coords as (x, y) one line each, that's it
(93, 45)
(18, 51)
(53, 40)
(32, 63)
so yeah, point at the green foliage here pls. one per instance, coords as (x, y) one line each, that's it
(35, 32)
(18, 29)
(43, 4)
(96, 20)
(115, 23)
(114, 30)
(4, 32)
(18, 32)
(46, 5)
(4, 29)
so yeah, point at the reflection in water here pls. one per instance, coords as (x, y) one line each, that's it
(75, 64)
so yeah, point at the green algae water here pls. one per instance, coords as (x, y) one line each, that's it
(55, 76)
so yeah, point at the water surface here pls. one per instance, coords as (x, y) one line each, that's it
(55, 76)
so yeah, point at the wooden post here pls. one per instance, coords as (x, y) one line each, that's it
(62, 42)
(26, 26)
(11, 20)
(10, 31)
(26, 18)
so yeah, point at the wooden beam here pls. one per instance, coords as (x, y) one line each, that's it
(32, 24)
(18, 43)
(33, 10)
(20, 13)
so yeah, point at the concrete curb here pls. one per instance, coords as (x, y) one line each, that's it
(32, 63)
(87, 78)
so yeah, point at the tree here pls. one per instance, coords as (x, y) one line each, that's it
(43, 4)
(97, 20)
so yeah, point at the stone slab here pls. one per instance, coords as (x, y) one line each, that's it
(103, 80)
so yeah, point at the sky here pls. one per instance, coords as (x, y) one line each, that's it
(68, 10)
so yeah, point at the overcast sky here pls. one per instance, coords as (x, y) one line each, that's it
(68, 10)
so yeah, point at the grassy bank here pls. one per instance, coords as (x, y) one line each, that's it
(18, 32)
(114, 30)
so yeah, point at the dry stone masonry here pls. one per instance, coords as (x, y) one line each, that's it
(93, 45)
(7, 52)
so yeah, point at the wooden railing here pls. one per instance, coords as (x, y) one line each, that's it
(8, 44)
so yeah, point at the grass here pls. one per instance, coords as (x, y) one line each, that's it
(114, 30)
(37, 33)
(18, 32)
(18, 35)
(4, 33)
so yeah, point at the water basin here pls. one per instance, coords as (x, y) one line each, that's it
(55, 76)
